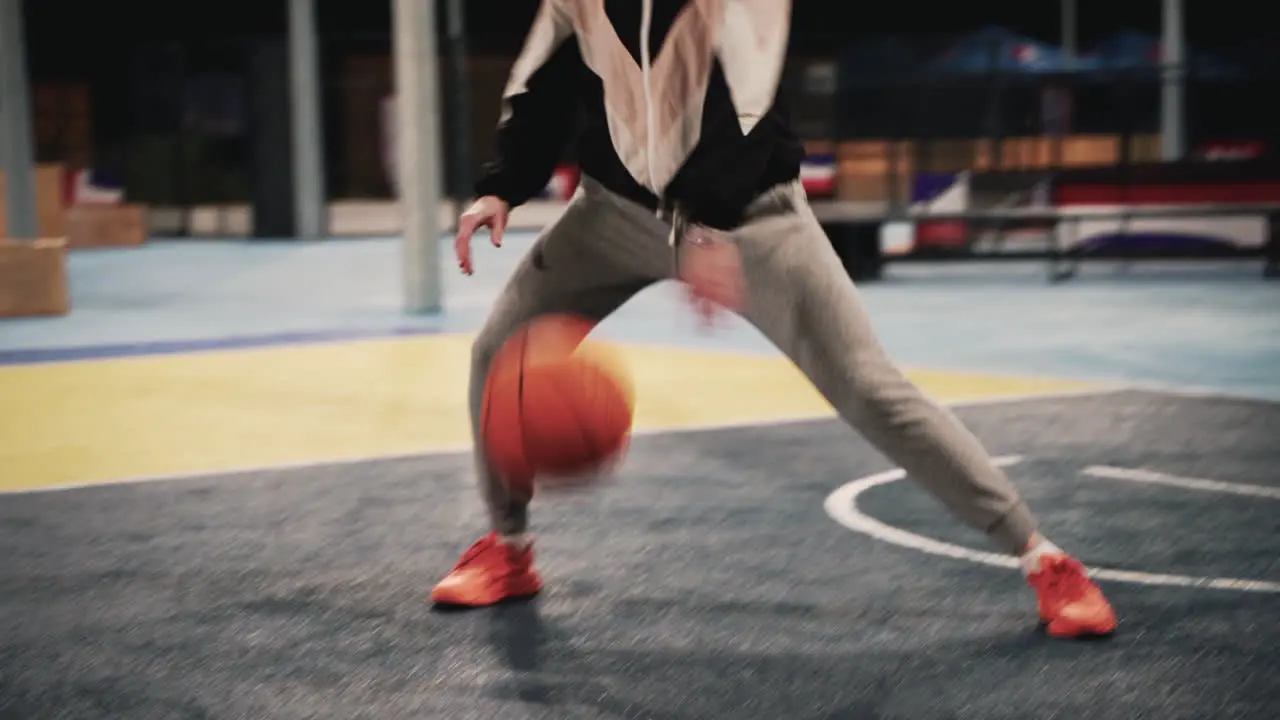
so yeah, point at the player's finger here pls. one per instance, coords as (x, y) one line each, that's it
(731, 286)
(692, 297)
(462, 248)
(702, 306)
(736, 291)
(709, 310)
(497, 228)
(719, 287)
(462, 242)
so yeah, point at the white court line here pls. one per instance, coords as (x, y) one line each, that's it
(1197, 392)
(842, 506)
(1106, 472)
(459, 449)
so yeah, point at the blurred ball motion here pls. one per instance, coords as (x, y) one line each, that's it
(557, 408)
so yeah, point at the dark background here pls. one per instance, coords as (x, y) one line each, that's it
(64, 33)
(163, 95)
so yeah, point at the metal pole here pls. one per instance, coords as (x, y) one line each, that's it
(17, 163)
(1173, 71)
(459, 101)
(1061, 98)
(1070, 42)
(310, 211)
(418, 151)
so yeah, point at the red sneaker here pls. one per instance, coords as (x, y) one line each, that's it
(489, 572)
(1071, 605)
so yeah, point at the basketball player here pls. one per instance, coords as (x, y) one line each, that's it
(690, 172)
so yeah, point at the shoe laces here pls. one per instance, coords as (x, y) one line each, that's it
(477, 549)
(1066, 578)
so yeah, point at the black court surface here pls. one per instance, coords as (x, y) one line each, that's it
(708, 581)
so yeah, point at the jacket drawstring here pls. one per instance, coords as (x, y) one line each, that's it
(665, 211)
(646, 72)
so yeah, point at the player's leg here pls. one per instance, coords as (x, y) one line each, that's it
(800, 297)
(595, 257)
(591, 261)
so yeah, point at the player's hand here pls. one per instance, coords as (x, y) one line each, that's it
(490, 212)
(711, 268)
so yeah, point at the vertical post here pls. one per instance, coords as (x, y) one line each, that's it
(310, 211)
(458, 102)
(418, 150)
(1058, 102)
(17, 162)
(1173, 62)
(995, 102)
(1070, 35)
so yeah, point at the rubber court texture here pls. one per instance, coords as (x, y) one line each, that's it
(753, 558)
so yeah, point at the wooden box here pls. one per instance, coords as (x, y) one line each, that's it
(1091, 151)
(33, 278)
(867, 170)
(91, 225)
(50, 180)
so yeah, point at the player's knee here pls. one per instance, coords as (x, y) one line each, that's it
(883, 399)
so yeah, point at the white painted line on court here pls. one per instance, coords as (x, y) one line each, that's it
(1196, 392)
(1106, 472)
(842, 506)
(459, 449)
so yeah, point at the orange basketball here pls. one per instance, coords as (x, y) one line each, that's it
(557, 408)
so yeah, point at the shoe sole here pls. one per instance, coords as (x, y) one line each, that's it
(510, 599)
(1079, 633)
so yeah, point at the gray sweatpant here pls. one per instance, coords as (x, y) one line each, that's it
(605, 249)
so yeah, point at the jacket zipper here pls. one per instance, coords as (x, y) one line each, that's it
(650, 119)
(646, 71)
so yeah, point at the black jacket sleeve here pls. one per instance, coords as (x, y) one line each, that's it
(540, 122)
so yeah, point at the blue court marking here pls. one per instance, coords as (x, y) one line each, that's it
(35, 356)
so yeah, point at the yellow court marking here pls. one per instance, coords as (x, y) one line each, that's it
(88, 422)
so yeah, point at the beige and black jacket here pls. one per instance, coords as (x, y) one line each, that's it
(671, 102)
